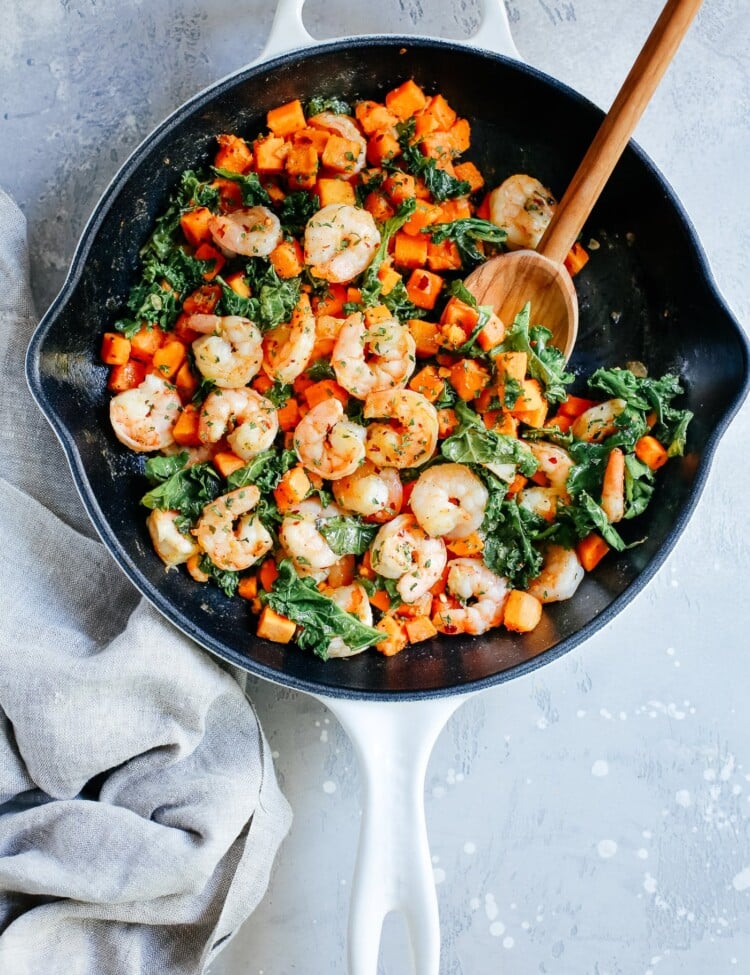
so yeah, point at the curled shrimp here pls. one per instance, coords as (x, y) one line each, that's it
(482, 596)
(391, 359)
(340, 242)
(302, 540)
(561, 575)
(523, 208)
(598, 422)
(170, 544)
(449, 501)
(556, 464)
(230, 351)
(248, 420)
(230, 534)
(327, 443)
(402, 550)
(352, 599)
(250, 231)
(345, 126)
(287, 348)
(375, 494)
(143, 417)
(409, 440)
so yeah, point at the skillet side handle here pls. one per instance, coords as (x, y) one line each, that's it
(393, 742)
(493, 33)
(288, 31)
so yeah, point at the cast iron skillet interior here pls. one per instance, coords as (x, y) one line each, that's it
(646, 294)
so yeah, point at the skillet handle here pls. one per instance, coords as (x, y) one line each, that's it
(288, 32)
(393, 742)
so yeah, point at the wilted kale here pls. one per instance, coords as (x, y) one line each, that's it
(320, 618)
(253, 193)
(296, 209)
(184, 489)
(473, 443)
(465, 233)
(321, 104)
(347, 535)
(265, 470)
(511, 537)
(545, 362)
(225, 579)
(649, 395)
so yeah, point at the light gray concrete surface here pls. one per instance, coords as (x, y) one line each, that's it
(591, 819)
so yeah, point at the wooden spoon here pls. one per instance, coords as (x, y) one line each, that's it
(509, 281)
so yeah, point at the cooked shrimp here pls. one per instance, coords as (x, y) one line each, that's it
(409, 440)
(143, 417)
(301, 538)
(230, 351)
(327, 443)
(230, 535)
(340, 242)
(352, 599)
(401, 550)
(251, 231)
(556, 464)
(391, 358)
(482, 595)
(171, 545)
(288, 347)
(598, 422)
(374, 493)
(345, 126)
(248, 420)
(560, 576)
(523, 208)
(449, 501)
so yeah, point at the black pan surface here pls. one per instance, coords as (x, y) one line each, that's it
(646, 294)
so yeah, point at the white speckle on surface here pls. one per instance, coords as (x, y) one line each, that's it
(542, 723)
(438, 875)
(525, 925)
(607, 715)
(606, 849)
(642, 854)
(741, 881)
(497, 928)
(670, 651)
(649, 884)
(580, 713)
(435, 858)
(324, 735)
(709, 774)
(683, 798)
(490, 907)
(438, 791)
(647, 834)
(329, 787)
(475, 903)
(600, 768)
(470, 848)
(508, 942)
(727, 769)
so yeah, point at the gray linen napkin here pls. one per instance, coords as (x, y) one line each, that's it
(139, 810)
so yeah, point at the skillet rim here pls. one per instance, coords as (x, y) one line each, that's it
(128, 565)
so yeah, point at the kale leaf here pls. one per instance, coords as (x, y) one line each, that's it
(265, 470)
(347, 535)
(225, 579)
(320, 104)
(320, 618)
(545, 362)
(296, 210)
(253, 193)
(440, 183)
(473, 443)
(184, 489)
(649, 395)
(465, 233)
(510, 533)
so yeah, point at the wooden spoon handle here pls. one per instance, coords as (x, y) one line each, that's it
(610, 141)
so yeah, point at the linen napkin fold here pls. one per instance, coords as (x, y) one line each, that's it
(139, 810)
